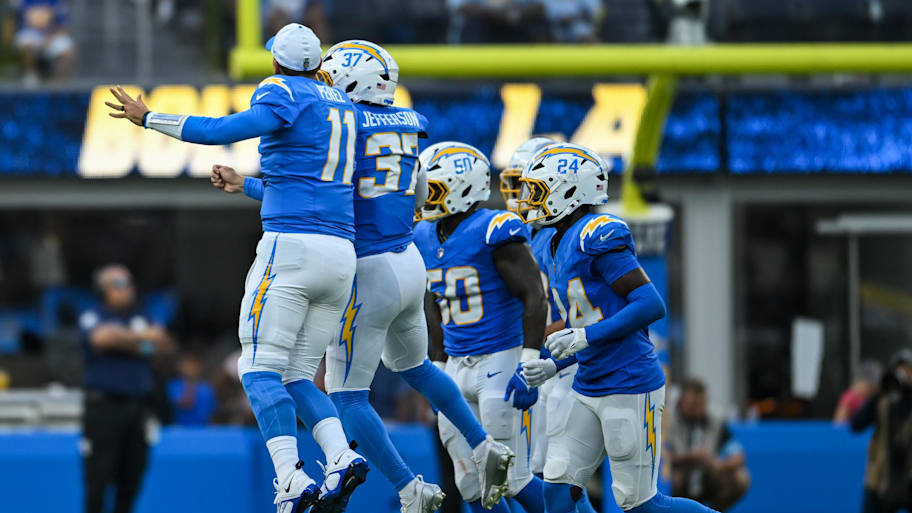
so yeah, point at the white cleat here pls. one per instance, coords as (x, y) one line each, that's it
(343, 473)
(421, 497)
(297, 494)
(493, 460)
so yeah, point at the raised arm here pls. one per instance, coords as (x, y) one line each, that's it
(257, 121)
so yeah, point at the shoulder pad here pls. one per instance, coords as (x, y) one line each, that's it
(273, 82)
(604, 233)
(505, 227)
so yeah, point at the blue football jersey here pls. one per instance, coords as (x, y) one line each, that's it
(307, 165)
(480, 315)
(627, 366)
(386, 172)
(541, 250)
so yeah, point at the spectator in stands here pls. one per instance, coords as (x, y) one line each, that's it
(572, 21)
(119, 341)
(708, 464)
(888, 478)
(497, 21)
(866, 382)
(192, 398)
(310, 13)
(44, 40)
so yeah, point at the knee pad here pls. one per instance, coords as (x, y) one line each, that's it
(499, 419)
(557, 470)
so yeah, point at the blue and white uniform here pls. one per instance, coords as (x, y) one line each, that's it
(615, 407)
(385, 313)
(300, 282)
(482, 334)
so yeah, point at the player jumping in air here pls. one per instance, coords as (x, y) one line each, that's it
(607, 302)
(384, 319)
(484, 315)
(301, 280)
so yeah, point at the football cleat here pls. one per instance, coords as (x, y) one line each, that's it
(343, 473)
(421, 497)
(297, 494)
(493, 460)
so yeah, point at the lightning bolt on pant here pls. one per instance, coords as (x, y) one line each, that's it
(627, 428)
(294, 296)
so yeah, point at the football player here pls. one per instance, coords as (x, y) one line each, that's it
(301, 280)
(484, 315)
(607, 302)
(384, 319)
(552, 403)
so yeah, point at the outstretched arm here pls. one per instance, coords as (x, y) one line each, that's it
(257, 121)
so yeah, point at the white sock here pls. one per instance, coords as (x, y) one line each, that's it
(284, 453)
(329, 434)
(409, 491)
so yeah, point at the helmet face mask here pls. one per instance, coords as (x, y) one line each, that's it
(509, 178)
(560, 179)
(435, 205)
(510, 187)
(362, 70)
(458, 176)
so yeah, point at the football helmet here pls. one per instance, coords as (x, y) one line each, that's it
(560, 178)
(458, 176)
(363, 70)
(509, 177)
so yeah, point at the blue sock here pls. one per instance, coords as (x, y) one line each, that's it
(311, 403)
(532, 497)
(442, 392)
(584, 506)
(500, 507)
(272, 406)
(558, 499)
(665, 504)
(362, 424)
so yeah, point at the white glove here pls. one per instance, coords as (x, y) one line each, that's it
(538, 371)
(566, 342)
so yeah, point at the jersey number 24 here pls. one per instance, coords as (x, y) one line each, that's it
(581, 313)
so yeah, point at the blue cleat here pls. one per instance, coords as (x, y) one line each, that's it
(343, 474)
(296, 495)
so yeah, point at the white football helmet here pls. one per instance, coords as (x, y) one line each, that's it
(363, 70)
(560, 179)
(509, 177)
(458, 176)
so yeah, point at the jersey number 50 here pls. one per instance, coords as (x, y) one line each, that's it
(335, 146)
(451, 303)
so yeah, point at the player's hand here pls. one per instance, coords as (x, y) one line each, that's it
(226, 179)
(538, 371)
(524, 396)
(566, 342)
(128, 108)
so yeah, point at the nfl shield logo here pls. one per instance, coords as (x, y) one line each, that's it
(440, 253)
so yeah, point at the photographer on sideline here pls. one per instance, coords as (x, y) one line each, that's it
(889, 471)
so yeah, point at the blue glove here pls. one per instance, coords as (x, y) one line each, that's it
(524, 396)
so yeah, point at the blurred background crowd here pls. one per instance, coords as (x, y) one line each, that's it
(56, 40)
